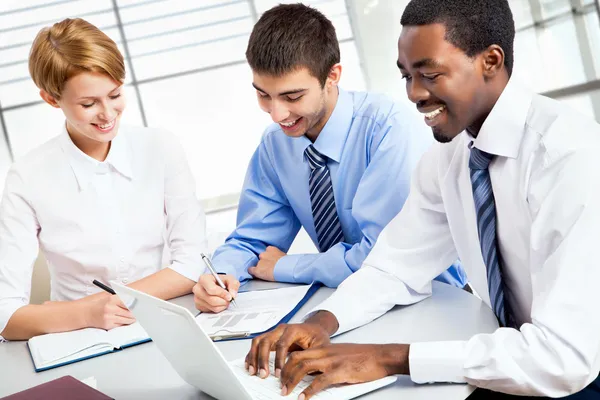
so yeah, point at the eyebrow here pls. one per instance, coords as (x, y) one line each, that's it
(426, 62)
(93, 97)
(286, 93)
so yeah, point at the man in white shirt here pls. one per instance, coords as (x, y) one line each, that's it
(512, 190)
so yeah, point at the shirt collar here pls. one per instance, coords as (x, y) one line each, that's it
(332, 138)
(120, 154)
(84, 167)
(503, 130)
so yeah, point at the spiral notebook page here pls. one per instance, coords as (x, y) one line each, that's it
(256, 312)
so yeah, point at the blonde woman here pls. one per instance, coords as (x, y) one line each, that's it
(99, 199)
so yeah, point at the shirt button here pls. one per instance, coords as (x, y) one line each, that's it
(122, 259)
(125, 280)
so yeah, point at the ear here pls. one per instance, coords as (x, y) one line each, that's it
(335, 74)
(48, 98)
(493, 61)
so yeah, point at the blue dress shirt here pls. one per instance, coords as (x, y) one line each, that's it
(373, 146)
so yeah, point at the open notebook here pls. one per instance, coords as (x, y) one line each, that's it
(58, 349)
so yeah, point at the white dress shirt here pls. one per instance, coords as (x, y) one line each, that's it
(546, 183)
(98, 220)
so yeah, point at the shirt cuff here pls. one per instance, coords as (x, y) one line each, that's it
(192, 272)
(437, 362)
(7, 308)
(284, 268)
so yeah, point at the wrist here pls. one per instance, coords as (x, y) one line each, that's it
(84, 309)
(394, 358)
(83, 312)
(326, 320)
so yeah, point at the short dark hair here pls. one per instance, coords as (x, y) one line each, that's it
(471, 25)
(291, 36)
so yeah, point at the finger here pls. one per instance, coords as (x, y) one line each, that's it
(215, 290)
(271, 337)
(264, 352)
(117, 319)
(216, 302)
(204, 307)
(251, 357)
(321, 382)
(116, 300)
(298, 365)
(258, 273)
(232, 284)
(252, 271)
(121, 312)
(282, 348)
(205, 302)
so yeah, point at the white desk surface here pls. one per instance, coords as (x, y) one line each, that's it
(141, 372)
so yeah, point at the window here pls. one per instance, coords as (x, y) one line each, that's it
(186, 72)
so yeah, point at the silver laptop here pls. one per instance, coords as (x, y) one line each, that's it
(200, 363)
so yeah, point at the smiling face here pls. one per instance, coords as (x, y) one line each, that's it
(92, 104)
(297, 101)
(448, 87)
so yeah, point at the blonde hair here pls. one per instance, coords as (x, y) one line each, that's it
(71, 47)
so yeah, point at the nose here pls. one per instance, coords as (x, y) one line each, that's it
(416, 92)
(107, 113)
(279, 111)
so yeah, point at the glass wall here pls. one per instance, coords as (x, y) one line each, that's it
(186, 72)
(557, 48)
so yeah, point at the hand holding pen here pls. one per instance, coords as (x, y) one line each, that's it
(106, 312)
(214, 292)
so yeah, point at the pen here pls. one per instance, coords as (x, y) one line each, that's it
(103, 287)
(237, 335)
(214, 273)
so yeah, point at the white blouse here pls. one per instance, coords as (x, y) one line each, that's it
(98, 220)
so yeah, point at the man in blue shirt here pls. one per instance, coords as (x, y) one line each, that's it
(334, 162)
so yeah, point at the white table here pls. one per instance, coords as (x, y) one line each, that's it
(142, 372)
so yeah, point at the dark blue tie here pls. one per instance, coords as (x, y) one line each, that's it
(485, 208)
(327, 223)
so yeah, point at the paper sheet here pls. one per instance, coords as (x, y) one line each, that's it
(257, 311)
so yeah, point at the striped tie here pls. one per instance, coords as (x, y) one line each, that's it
(327, 224)
(485, 208)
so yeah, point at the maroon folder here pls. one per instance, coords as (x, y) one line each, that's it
(65, 388)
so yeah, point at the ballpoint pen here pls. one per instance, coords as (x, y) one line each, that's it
(104, 287)
(214, 273)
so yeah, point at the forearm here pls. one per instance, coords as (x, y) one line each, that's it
(393, 357)
(329, 268)
(33, 320)
(236, 255)
(164, 284)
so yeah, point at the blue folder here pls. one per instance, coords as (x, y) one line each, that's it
(312, 290)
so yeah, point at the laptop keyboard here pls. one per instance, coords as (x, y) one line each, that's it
(269, 388)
